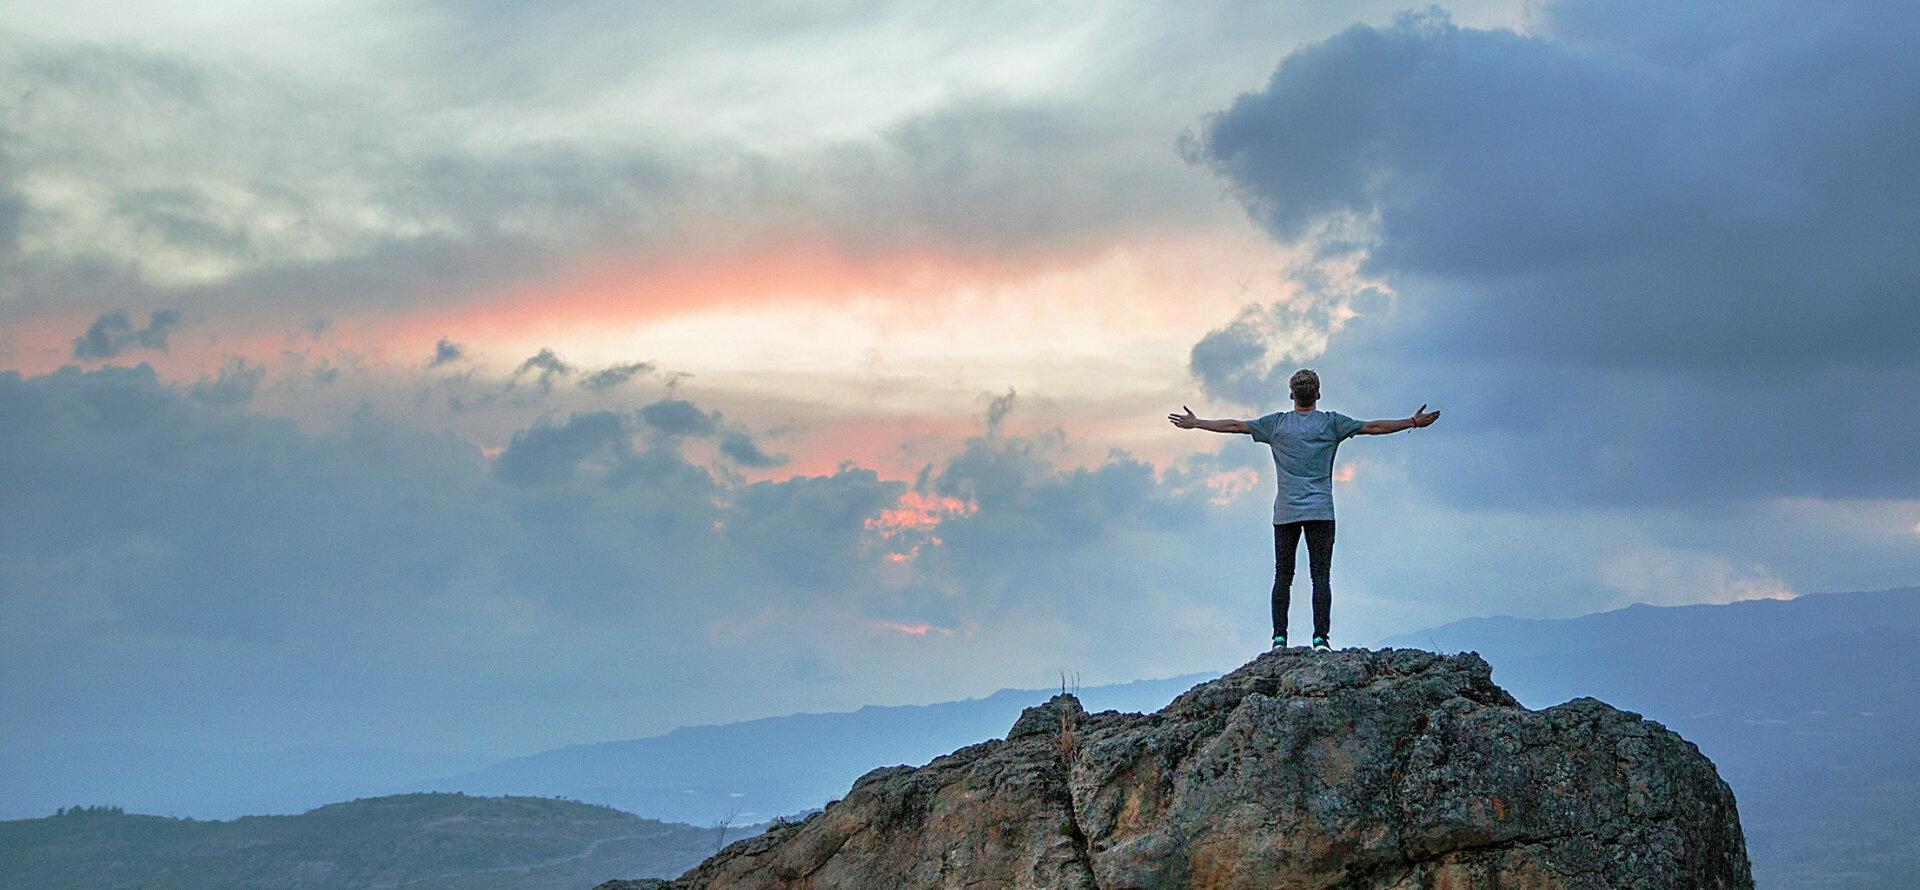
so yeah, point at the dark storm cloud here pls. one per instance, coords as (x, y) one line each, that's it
(679, 417)
(545, 454)
(615, 375)
(233, 384)
(113, 333)
(1744, 201)
(741, 449)
(544, 366)
(446, 352)
(1629, 248)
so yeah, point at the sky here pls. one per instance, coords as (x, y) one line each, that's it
(486, 377)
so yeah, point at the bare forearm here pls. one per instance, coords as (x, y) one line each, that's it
(1221, 426)
(1420, 418)
(1383, 427)
(1186, 421)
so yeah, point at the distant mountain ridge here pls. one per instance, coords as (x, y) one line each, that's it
(211, 784)
(413, 840)
(1847, 659)
(777, 766)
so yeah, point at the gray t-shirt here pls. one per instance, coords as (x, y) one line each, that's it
(1303, 444)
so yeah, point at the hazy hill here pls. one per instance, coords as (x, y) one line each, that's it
(777, 766)
(413, 840)
(1810, 707)
(206, 784)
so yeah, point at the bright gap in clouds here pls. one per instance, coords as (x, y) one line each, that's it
(807, 310)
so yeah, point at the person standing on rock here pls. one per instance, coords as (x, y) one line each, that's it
(1303, 441)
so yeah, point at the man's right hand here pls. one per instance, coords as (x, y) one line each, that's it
(1423, 417)
(1189, 422)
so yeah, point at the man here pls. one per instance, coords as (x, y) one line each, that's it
(1303, 441)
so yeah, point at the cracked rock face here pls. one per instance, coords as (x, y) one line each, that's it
(1366, 769)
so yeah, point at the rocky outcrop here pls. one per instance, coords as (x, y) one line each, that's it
(1365, 769)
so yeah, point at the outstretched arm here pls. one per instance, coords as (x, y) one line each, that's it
(1422, 417)
(1189, 422)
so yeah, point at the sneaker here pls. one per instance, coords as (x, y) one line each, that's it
(1279, 641)
(1320, 644)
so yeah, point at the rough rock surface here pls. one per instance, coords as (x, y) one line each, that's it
(1365, 769)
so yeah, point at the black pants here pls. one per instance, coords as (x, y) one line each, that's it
(1286, 539)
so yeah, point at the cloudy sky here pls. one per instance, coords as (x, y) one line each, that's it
(483, 377)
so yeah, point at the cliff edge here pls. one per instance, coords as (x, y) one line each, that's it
(1394, 768)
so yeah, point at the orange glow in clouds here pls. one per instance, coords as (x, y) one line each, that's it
(628, 292)
(918, 511)
(913, 521)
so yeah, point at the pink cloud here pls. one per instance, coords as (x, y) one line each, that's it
(912, 630)
(620, 291)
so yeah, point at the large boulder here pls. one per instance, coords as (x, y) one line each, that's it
(1366, 769)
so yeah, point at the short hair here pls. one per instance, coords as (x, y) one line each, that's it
(1305, 385)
